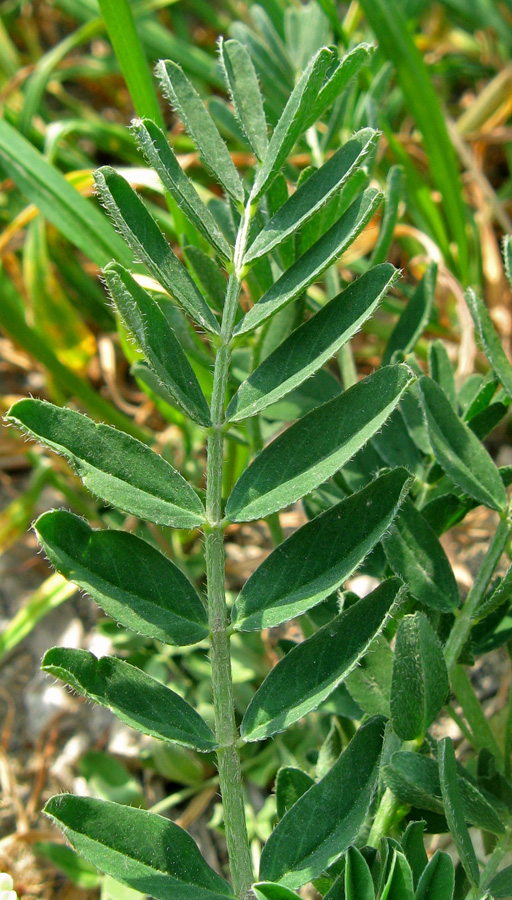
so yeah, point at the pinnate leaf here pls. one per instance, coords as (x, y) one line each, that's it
(420, 684)
(339, 79)
(112, 465)
(292, 121)
(160, 156)
(308, 347)
(132, 581)
(143, 235)
(158, 342)
(459, 451)
(327, 819)
(140, 849)
(313, 194)
(314, 262)
(317, 446)
(415, 553)
(134, 697)
(315, 560)
(315, 667)
(244, 90)
(200, 126)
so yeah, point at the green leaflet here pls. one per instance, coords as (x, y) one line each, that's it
(314, 668)
(292, 121)
(415, 553)
(314, 262)
(158, 342)
(414, 848)
(358, 878)
(414, 318)
(211, 280)
(440, 370)
(137, 699)
(113, 466)
(414, 779)
(58, 201)
(184, 98)
(243, 87)
(338, 81)
(160, 156)
(438, 880)
(327, 819)
(140, 849)
(134, 583)
(454, 809)
(394, 190)
(313, 194)
(317, 446)
(308, 347)
(501, 885)
(399, 885)
(420, 684)
(370, 683)
(489, 340)
(320, 556)
(458, 451)
(291, 783)
(266, 891)
(144, 237)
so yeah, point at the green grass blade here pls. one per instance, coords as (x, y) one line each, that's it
(120, 22)
(396, 43)
(58, 201)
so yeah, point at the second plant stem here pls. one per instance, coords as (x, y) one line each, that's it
(228, 760)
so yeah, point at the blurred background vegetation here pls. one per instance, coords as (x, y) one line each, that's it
(73, 73)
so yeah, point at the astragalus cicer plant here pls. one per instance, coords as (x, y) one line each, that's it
(281, 243)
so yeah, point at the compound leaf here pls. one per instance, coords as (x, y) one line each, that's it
(157, 341)
(316, 446)
(314, 261)
(338, 81)
(314, 194)
(315, 667)
(137, 699)
(132, 581)
(144, 237)
(112, 465)
(320, 556)
(326, 820)
(140, 849)
(308, 347)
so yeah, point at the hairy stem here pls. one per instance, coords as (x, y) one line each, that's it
(228, 760)
(463, 623)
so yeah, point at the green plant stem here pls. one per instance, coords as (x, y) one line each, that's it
(384, 818)
(463, 623)
(228, 760)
